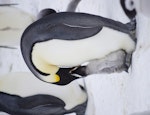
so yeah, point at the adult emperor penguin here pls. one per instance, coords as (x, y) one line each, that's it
(68, 39)
(54, 46)
(23, 94)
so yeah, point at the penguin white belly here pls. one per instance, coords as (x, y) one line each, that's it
(75, 52)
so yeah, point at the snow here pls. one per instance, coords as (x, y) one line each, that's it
(114, 94)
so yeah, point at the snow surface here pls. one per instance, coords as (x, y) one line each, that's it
(114, 94)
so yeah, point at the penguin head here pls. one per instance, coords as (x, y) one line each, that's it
(59, 76)
(129, 8)
(67, 75)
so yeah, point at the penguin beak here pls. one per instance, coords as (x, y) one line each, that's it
(79, 71)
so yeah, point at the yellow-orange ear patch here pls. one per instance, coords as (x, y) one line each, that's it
(57, 78)
(52, 78)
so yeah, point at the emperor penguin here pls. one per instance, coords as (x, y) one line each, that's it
(64, 40)
(22, 94)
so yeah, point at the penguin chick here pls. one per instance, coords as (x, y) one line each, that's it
(114, 62)
(67, 39)
(117, 61)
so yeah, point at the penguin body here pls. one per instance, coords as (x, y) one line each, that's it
(26, 95)
(67, 39)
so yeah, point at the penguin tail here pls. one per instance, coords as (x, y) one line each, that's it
(132, 28)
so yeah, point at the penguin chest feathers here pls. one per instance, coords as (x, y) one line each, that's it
(68, 53)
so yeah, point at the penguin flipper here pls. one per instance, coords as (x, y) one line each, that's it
(71, 32)
(36, 105)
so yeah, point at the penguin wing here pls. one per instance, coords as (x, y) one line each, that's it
(70, 32)
(36, 104)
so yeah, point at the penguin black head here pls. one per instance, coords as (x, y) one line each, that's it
(67, 75)
(130, 10)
